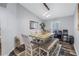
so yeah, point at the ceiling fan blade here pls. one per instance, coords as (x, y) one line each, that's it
(46, 6)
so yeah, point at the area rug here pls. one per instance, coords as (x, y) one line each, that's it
(62, 52)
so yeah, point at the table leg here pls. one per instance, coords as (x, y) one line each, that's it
(39, 50)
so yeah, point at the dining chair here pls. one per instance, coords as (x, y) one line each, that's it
(48, 47)
(30, 48)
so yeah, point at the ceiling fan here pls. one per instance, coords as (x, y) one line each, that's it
(46, 6)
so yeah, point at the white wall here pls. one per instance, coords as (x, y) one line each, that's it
(8, 28)
(65, 23)
(24, 17)
(76, 32)
(15, 21)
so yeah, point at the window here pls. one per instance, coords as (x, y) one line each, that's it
(56, 26)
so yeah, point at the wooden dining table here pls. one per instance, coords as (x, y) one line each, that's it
(45, 40)
(40, 38)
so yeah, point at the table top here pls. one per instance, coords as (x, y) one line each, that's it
(42, 36)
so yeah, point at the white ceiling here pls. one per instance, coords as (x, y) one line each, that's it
(56, 9)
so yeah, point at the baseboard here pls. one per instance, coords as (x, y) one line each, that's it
(75, 49)
(10, 52)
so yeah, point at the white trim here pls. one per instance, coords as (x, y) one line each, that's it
(11, 51)
(75, 49)
(8, 53)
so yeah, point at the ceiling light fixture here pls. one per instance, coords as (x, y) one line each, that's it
(48, 15)
(45, 14)
(46, 6)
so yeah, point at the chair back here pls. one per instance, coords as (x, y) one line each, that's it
(27, 41)
(65, 32)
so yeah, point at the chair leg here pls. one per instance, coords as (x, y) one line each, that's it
(39, 51)
(47, 53)
(25, 52)
(31, 53)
